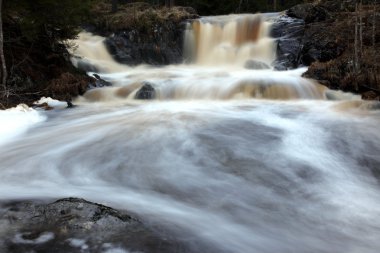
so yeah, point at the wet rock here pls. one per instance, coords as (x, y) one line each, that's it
(161, 45)
(309, 13)
(76, 225)
(254, 64)
(99, 82)
(146, 92)
(156, 39)
(289, 33)
(302, 37)
(45, 106)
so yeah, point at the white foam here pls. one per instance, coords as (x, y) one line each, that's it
(16, 121)
(43, 238)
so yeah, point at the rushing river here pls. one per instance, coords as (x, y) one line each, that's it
(245, 161)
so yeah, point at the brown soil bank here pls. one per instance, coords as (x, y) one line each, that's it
(341, 45)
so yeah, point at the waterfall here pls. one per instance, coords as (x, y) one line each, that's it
(227, 58)
(229, 40)
(228, 156)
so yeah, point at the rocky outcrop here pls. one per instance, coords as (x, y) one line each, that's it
(140, 33)
(321, 36)
(76, 225)
(309, 13)
(162, 45)
(289, 33)
(303, 39)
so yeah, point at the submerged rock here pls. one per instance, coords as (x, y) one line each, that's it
(76, 225)
(254, 64)
(146, 92)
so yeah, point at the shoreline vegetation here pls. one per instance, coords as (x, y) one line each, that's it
(39, 64)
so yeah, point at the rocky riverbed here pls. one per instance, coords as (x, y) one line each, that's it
(76, 225)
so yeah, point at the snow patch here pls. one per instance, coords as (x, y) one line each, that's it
(52, 102)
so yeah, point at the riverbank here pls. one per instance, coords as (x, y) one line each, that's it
(319, 36)
(341, 46)
(142, 34)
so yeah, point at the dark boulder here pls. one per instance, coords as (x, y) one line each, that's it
(289, 33)
(76, 225)
(146, 92)
(320, 45)
(161, 45)
(303, 37)
(309, 13)
(99, 82)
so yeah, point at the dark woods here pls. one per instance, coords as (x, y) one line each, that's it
(33, 55)
(32, 52)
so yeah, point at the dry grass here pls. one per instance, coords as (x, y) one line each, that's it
(68, 85)
(138, 16)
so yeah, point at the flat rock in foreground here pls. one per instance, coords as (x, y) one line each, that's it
(76, 225)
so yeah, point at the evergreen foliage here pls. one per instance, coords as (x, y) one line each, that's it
(57, 20)
(212, 7)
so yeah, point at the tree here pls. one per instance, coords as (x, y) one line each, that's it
(169, 3)
(2, 58)
(51, 19)
(31, 40)
(374, 25)
(114, 5)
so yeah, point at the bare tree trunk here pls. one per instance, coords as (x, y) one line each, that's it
(114, 6)
(2, 58)
(169, 3)
(361, 26)
(374, 42)
(356, 50)
(374, 25)
(356, 37)
(240, 3)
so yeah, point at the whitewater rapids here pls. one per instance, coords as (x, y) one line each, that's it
(227, 159)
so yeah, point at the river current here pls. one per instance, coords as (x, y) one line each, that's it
(239, 160)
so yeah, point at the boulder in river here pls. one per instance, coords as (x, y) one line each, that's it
(146, 92)
(254, 64)
(99, 82)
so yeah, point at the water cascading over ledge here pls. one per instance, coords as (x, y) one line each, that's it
(229, 40)
(228, 58)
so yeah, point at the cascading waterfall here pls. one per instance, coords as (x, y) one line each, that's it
(228, 159)
(228, 57)
(229, 40)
